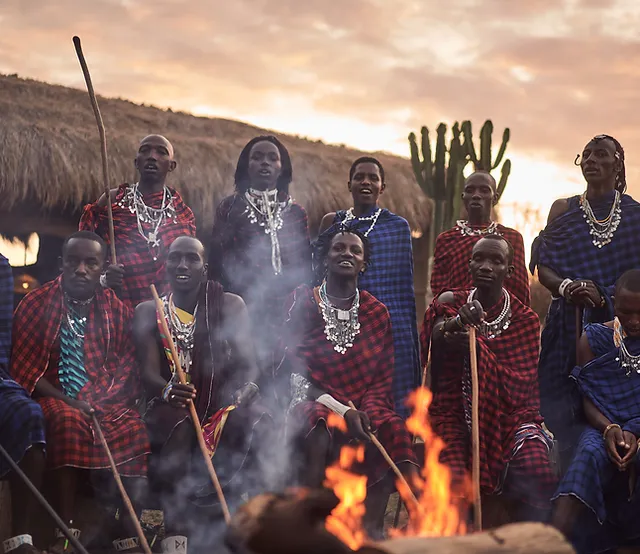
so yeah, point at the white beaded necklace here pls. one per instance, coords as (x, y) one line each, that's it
(349, 216)
(341, 327)
(601, 231)
(466, 229)
(627, 361)
(493, 329)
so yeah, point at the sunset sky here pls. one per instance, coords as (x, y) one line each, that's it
(362, 72)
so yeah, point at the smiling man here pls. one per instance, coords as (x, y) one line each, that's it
(451, 254)
(514, 449)
(389, 275)
(147, 217)
(73, 353)
(212, 335)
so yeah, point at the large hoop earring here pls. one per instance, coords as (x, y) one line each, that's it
(577, 161)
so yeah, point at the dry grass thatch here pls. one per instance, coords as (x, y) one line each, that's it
(50, 155)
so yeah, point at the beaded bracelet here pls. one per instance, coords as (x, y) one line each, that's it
(166, 391)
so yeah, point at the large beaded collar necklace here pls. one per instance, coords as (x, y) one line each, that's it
(493, 329)
(182, 333)
(350, 216)
(466, 229)
(601, 231)
(628, 362)
(341, 327)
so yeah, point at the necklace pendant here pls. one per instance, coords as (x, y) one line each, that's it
(343, 315)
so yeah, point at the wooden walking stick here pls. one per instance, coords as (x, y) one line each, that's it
(123, 492)
(475, 431)
(388, 459)
(192, 409)
(578, 329)
(103, 144)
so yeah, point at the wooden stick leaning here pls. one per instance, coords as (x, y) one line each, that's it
(578, 329)
(192, 409)
(103, 144)
(475, 431)
(123, 492)
(388, 459)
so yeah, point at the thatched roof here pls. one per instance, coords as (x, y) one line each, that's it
(50, 155)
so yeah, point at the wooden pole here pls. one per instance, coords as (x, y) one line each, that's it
(103, 145)
(475, 431)
(123, 492)
(388, 459)
(578, 329)
(192, 409)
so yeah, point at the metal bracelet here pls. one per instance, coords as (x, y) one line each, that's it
(608, 428)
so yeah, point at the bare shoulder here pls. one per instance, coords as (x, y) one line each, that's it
(144, 318)
(446, 297)
(326, 222)
(102, 202)
(232, 305)
(585, 354)
(559, 207)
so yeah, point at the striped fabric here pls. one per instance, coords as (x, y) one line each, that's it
(71, 372)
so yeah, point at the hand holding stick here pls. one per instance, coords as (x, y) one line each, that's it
(123, 492)
(475, 431)
(103, 144)
(388, 459)
(192, 409)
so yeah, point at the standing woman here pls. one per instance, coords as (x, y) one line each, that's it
(589, 241)
(260, 242)
(389, 275)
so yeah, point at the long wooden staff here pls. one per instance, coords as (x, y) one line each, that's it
(103, 144)
(388, 459)
(123, 492)
(578, 329)
(192, 409)
(475, 431)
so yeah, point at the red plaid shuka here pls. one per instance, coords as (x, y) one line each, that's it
(363, 374)
(132, 250)
(451, 262)
(508, 399)
(112, 389)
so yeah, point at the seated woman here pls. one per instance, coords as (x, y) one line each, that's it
(596, 504)
(338, 348)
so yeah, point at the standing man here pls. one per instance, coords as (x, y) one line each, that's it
(21, 430)
(389, 274)
(72, 351)
(147, 217)
(453, 247)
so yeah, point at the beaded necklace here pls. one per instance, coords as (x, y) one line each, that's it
(349, 216)
(601, 231)
(628, 362)
(493, 329)
(341, 327)
(466, 229)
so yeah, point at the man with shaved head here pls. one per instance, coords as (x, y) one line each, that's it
(453, 247)
(147, 217)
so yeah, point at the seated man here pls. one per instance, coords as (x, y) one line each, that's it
(21, 429)
(211, 333)
(338, 348)
(514, 449)
(72, 351)
(602, 475)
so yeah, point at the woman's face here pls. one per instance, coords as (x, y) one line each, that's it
(346, 255)
(265, 165)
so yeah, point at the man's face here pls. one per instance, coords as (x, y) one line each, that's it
(489, 263)
(82, 263)
(155, 158)
(599, 163)
(185, 264)
(265, 165)
(627, 308)
(346, 255)
(479, 196)
(366, 185)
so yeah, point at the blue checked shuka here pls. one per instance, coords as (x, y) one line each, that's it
(389, 277)
(592, 477)
(21, 419)
(565, 247)
(71, 372)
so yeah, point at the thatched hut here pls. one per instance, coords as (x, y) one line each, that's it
(50, 164)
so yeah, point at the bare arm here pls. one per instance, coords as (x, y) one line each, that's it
(549, 278)
(326, 222)
(102, 201)
(144, 338)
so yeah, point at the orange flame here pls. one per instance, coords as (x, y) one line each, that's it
(438, 513)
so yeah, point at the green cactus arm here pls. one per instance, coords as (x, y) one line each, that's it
(416, 164)
(504, 176)
(503, 147)
(455, 154)
(469, 148)
(439, 169)
(485, 145)
(457, 196)
(427, 164)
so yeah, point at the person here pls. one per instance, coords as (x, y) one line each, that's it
(259, 245)
(596, 503)
(515, 470)
(147, 217)
(337, 347)
(451, 254)
(589, 241)
(21, 430)
(72, 352)
(389, 275)
(212, 334)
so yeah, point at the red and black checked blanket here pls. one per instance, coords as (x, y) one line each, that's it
(112, 389)
(451, 262)
(363, 374)
(508, 393)
(132, 251)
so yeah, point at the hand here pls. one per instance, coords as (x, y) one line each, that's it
(615, 442)
(245, 395)
(583, 293)
(472, 313)
(358, 425)
(115, 276)
(84, 407)
(181, 395)
(629, 453)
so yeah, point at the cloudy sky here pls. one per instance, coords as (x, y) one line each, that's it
(362, 72)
